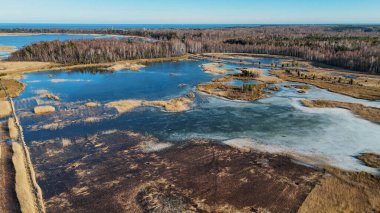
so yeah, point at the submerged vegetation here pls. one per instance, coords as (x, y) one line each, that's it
(352, 48)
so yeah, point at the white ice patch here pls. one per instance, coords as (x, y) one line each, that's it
(152, 146)
(60, 80)
(33, 81)
(40, 92)
(311, 155)
(244, 144)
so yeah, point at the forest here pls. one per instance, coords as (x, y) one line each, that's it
(352, 47)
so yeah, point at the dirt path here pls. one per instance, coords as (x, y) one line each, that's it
(8, 199)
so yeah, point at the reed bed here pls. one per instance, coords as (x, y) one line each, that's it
(43, 109)
(180, 104)
(23, 187)
(13, 130)
(91, 104)
(5, 109)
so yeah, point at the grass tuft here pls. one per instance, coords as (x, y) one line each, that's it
(23, 187)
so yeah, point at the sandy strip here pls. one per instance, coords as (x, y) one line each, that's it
(7, 49)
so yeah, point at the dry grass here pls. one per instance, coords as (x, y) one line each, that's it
(92, 119)
(53, 97)
(11, 67)
(125, 105)
(173, 105)
(215, 68)
(162, 196)
(368, 113)
(65, 142)
(344, 192)
(370, 159)
(326, 80)
(8, 49)
(91, 104)
(24, 191)
(296, 63)
(13, 130)
(233, 92)
(257, 74)
(125, 65)
(43, 109)
(269, 79)
(5, 108)
(13, 87)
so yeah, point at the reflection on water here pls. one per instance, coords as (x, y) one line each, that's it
(278, 120)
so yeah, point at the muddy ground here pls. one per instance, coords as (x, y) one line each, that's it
(127, 172)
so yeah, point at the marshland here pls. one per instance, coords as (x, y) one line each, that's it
(168, 120)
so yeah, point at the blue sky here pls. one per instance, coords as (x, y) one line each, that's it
(190, 12)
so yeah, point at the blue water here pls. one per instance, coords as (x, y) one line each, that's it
(157, 81)
(120, 26)
(20, 41)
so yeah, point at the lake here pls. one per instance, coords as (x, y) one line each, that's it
(278, 123)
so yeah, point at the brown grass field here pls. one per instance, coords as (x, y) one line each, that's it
(325, 80)
(13, 87)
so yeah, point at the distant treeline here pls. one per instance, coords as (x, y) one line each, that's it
(352, 47)
(97, 51)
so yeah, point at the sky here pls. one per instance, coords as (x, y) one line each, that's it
(191, 11)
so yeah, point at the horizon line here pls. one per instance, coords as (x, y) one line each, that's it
(46, 23)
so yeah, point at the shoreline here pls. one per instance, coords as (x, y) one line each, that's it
(8, 49)
(22, 67)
